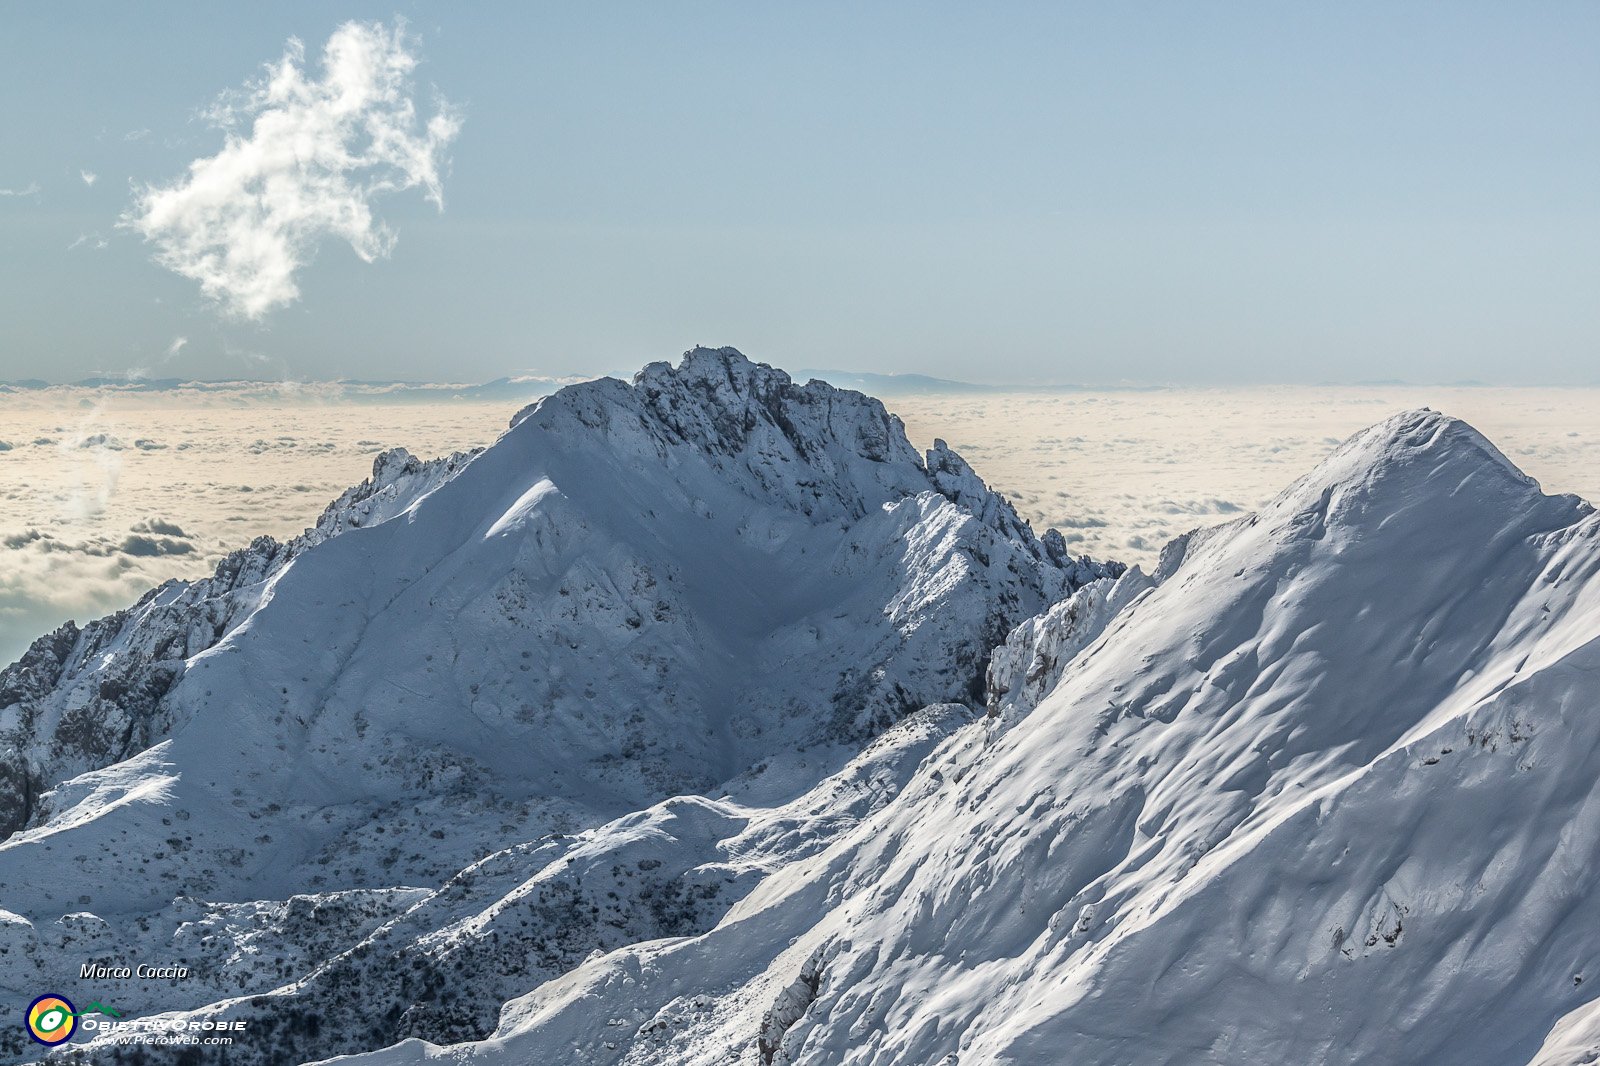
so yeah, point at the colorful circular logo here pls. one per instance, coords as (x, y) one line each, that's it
(52, 1019)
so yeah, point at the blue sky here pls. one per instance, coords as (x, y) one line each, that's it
(1012, 194)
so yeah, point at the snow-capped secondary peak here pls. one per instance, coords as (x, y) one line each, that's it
(1416, 459)
(1411, 491)
(959, 483)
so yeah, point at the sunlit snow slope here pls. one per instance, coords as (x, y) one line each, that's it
(1322, 790)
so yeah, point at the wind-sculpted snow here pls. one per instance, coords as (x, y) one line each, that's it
(710, 579)
(1325, 793)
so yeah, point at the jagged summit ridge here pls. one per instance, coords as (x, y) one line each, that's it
(830, 453)
(827, 453)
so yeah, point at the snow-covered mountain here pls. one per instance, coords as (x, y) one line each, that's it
(1320, 790)
(701, 720)
(350, 756)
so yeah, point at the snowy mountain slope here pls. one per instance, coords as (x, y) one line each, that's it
(82, 699)
(1324, 794)
(1029, 665)
(709, 575)
(535, 910)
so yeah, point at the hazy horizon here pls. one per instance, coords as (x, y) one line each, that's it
(847, 377)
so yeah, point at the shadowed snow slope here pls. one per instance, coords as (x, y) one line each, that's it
(1324, 793)
(710, 578)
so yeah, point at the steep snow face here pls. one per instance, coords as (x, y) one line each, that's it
(641, 590)
(1323, 794)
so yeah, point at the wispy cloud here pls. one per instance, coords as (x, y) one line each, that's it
(102, 448)
(89, 177)
(318, 151)
(31, 189)
(140, 373)
(95, 240)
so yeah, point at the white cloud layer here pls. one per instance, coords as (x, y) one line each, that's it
(317, 152)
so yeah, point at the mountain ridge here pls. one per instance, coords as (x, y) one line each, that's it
(710, 574)
(702, 719)
(1275, 808)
